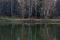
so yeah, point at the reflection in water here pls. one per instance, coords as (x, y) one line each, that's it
(30, 32)
(17, 38)
(54, 38)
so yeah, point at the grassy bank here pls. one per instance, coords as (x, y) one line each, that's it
(31, 21)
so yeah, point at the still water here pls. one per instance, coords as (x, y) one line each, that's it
(30, 32)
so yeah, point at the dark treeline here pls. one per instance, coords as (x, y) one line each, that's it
(8, 8)
(58, 8)
(56, 13)
(26, 9)
(14, 8)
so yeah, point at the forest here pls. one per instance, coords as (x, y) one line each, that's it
(16, 25)
(30, 9)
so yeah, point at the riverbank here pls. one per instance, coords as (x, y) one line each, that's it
(30, 21)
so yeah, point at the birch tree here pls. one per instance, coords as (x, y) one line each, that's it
(48, 7)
